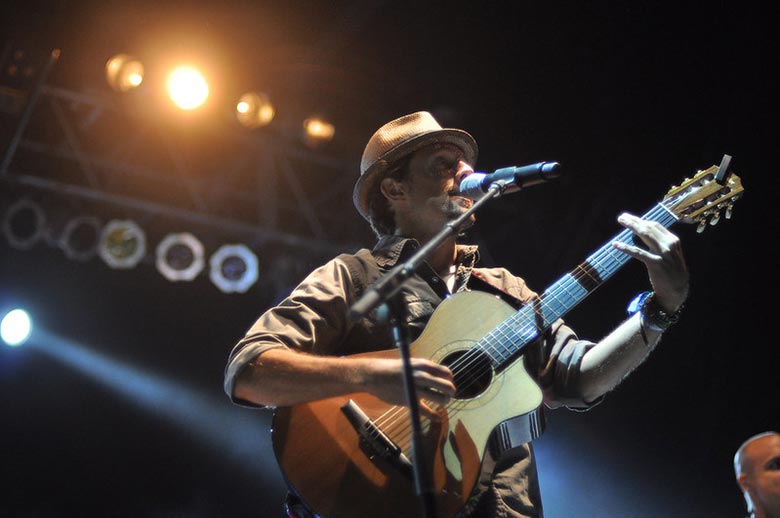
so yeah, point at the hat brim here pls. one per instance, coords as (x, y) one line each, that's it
(371, 177)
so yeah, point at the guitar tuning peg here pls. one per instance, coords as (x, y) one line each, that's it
(729, 208)
(714, 220)
(702, 226)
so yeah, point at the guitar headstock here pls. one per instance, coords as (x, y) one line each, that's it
(703, 198)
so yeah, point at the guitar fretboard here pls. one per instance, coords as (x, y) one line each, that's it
(509, 338)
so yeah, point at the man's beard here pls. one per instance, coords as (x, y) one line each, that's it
(455, 207)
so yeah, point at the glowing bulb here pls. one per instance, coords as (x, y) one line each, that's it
(254, 109)
(317, 131)
(135, 79)
(124, 72)
(15, 327)
(187, 88)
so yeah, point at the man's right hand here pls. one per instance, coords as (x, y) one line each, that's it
(433, 382)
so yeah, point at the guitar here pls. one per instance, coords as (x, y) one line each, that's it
(349, 456)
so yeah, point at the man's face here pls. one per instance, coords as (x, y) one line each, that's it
(433, 199)
(762, 472)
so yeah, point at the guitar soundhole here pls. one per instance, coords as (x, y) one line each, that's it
(472, 370)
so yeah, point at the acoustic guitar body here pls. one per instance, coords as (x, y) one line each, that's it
(328, 464)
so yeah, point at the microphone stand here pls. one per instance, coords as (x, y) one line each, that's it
(386, 292)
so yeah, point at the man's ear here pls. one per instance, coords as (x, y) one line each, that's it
(744, 482)
(392, 189)
(746, 485)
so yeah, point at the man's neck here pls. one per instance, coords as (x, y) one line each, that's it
(439, 259)
(443, 257)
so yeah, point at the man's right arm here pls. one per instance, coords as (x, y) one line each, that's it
(288, 357)
(283, 377)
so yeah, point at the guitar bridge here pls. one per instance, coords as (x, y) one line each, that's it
(373, 441)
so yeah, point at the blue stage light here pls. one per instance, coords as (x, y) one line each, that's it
(15, 327)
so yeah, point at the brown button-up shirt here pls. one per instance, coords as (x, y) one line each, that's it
(313, 318)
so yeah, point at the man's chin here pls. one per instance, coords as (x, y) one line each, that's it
(462, 201)
(456, 207)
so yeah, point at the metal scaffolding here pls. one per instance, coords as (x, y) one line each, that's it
(262, 187)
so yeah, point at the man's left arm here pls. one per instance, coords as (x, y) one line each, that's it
(606, 364)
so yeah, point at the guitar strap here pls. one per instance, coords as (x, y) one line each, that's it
(514, 432)
(477, 282)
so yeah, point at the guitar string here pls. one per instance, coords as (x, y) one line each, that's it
(489, 345)
(519, 324)
(490, 339)
(474, 368)
(529, 325)
(459, 367)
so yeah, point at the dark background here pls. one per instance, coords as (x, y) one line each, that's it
(630, 97)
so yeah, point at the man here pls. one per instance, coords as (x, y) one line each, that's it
(300, 351)
(757, 467)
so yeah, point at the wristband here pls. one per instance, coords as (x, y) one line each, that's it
(652, 315)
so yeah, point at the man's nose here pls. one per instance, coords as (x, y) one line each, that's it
(464, 169)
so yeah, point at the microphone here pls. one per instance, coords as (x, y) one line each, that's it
(510, 179)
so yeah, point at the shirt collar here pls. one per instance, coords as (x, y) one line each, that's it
(391, 248)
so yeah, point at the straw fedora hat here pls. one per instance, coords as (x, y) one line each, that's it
(398, 138)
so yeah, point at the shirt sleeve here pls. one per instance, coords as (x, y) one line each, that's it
(313, 318)
(555, 361)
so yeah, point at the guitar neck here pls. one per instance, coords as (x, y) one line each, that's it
(510, 337)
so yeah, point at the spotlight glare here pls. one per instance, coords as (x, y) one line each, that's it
(180, 257)
(200, 415)
(187, 87)
(15, 327)
(124, 72)
(254, 110)
(122, 244)
(135, 79)
(317, 131)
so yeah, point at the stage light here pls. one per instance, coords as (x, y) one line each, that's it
(124, 72)
(187, 87)
(180, 257)
(80, 238)
(254, 110)
(317, 131)
(23, 224)
(233, 268)
(15, 327)
(122, 244)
